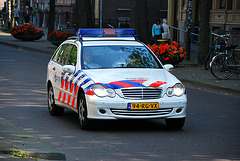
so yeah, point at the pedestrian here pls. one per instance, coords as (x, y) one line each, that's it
(156, 31)
(27, 14)
(16, 14)
(166, 34)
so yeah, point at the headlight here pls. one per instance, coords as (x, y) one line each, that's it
(101, 91)
(177, 90)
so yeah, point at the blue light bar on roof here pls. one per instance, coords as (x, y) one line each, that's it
(107, 32)
(126, 33)
(90, 32)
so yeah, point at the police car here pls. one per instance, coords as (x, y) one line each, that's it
(108, 74)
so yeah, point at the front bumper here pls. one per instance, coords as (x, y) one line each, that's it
(116, 108)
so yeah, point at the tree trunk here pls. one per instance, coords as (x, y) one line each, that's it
(139, 19)
(51, 19)
(84, 13)
(204, 33)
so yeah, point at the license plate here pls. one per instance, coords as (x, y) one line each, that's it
(143, 106)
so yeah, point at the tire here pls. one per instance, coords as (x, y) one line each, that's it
(52, 107)
(219, 67)
(82, 113)
(208, 59)
(175, 124)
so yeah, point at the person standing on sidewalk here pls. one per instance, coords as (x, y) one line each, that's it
(27, 14)
(156, 31)
(166, 34)
(16, 14)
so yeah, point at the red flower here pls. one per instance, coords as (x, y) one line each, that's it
(166, 59)
(168, 51)
(26, 29)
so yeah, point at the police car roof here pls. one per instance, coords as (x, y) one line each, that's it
(112, 43)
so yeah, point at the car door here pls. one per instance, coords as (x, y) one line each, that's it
(61, 77)
(53, 70)
(69, 86)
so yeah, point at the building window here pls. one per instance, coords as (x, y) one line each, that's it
(222, 4)
(238, 5)
(123, 22)
(229, 4)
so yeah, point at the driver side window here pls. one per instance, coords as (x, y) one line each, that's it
(72, 60)
(65, 54)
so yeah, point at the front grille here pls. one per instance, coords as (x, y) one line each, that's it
(142, 93)
(142, 112)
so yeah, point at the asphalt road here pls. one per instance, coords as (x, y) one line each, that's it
(211, 131)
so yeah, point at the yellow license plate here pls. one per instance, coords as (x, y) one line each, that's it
(143, 106)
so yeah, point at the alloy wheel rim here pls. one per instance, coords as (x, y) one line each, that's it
(81, 111)
(50, 96)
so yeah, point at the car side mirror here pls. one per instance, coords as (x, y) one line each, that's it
(168, 67)
(69, 68)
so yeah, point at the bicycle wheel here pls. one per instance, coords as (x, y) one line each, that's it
(220, 66)
(208, 59)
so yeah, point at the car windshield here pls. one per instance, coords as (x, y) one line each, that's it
(99, 57)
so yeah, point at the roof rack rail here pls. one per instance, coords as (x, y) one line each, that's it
(73, 38)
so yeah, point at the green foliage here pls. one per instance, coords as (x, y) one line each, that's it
(22, 155)
(19, 154)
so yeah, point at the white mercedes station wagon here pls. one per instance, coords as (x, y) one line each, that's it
(108, 74)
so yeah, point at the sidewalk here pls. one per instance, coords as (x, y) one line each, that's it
(42, 45)
(12, 137)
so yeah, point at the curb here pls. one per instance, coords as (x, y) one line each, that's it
(21, 47)
(15, 139)
(210, 86)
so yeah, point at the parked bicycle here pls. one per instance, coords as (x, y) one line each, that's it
(67, 27)
(218, 46)
(225, 65)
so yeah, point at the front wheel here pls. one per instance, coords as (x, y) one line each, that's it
(209, 59)
(52, 107)
(220, 66)
(176, 123)
(82, 113)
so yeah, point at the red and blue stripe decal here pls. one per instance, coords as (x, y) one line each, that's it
(131, 83)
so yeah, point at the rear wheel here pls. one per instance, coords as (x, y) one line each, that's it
(176, 123)
(220, 66)
(82, 113)
(52, 107)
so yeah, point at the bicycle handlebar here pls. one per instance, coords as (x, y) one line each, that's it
(222, 36)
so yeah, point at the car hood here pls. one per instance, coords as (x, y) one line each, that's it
(123, 78)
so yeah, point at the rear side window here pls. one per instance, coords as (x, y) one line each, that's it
(57, 55)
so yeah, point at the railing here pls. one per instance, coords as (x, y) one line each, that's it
(185, 38)
(194, 34)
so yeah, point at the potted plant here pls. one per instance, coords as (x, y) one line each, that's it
(56, 37)
(26, 32)
(169, 53)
